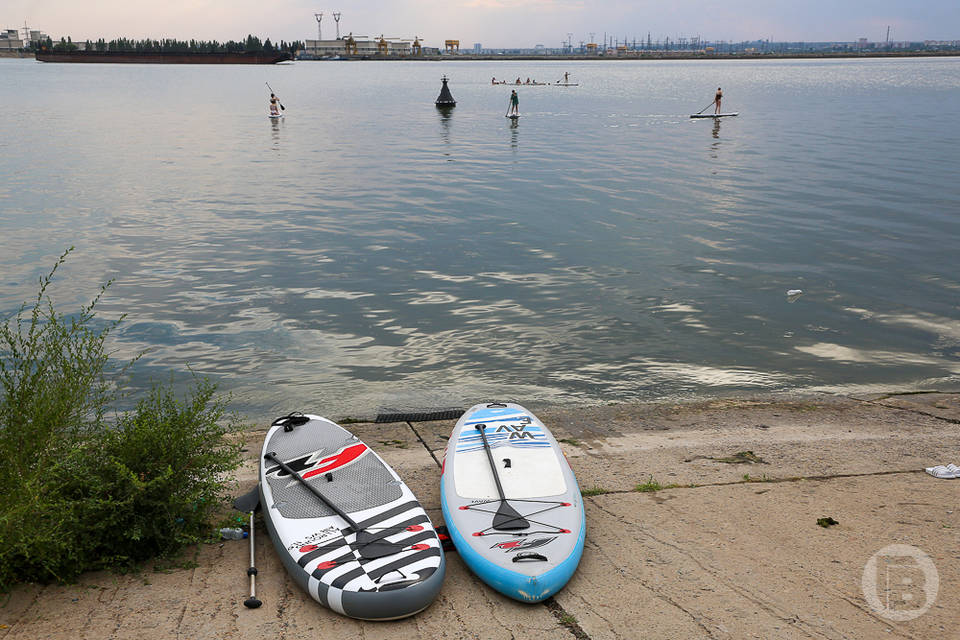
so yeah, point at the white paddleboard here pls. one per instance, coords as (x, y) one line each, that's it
(515, 116)
(275, 116)
(715, 115)
(529, 549)
(392, 567)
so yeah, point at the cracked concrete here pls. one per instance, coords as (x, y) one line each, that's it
(730, 549)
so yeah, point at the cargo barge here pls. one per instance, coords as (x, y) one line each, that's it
(157, 57)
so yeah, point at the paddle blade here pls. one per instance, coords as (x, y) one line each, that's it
(507, 519)
(370, 547)
(249, 501)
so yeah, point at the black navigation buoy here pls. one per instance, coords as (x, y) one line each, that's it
(445, 99)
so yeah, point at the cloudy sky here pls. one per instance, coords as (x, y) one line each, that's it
(494, 23)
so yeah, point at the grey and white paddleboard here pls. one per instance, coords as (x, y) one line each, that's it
(392, 567)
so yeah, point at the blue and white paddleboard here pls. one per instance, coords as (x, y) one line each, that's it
(529, 545)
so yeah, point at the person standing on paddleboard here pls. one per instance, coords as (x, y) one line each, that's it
(514, 103)
(717, 98)
(273, 105)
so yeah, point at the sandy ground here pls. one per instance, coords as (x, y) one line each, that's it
(727, 549)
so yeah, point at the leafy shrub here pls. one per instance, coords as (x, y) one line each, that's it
(81, 492)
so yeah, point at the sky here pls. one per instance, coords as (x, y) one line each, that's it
(493, 23)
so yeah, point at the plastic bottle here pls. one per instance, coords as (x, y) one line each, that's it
(229, 533)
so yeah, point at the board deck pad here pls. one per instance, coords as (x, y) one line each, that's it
(393, 568)
(538, 543)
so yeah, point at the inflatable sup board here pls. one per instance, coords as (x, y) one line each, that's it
(347, 529)
(715, 115)
(275, 116)
(514, 116)
(511, 503)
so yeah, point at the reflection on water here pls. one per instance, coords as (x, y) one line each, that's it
(446, 115)
(608, 259)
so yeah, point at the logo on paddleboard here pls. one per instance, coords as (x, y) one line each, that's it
(318, 463)
(523, 545)
(315, 539)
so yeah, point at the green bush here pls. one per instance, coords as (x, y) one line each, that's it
(81, 492)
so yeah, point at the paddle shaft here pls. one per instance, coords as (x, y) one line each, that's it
(278, 99)
(506, 518)
(493, 465)
(252, 602)
(340, 512)
(707, 107)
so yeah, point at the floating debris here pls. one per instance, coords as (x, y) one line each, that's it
(793, 294)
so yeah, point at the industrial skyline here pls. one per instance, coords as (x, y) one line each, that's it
(498, 23)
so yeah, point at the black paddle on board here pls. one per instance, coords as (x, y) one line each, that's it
(506, 518)
(275, 95)
(248, 503)
(369, 545)
(701, 110)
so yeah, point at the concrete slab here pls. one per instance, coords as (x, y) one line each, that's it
(750, 561)
(941, 405)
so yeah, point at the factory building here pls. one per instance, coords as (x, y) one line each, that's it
(364, 46)
(10, 40)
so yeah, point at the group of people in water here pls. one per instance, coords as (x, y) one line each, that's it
(493, 80)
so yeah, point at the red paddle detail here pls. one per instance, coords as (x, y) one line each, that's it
(329, 564)
(415, 527)
(564, 531)
(464, 508)
(420, 547)
(567, 504)
(478, 533)
(307, 548)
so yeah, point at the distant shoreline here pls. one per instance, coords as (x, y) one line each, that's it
(642, 55)
(649, 55)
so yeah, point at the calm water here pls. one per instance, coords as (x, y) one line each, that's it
(369, 252)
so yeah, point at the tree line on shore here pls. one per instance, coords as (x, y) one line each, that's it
(252, 44)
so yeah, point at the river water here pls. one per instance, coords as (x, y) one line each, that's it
(371, 252)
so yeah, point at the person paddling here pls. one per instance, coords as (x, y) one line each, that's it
(717, 98)
(514, 103)
(274, 101)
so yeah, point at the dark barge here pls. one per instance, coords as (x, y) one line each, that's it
(157, 57)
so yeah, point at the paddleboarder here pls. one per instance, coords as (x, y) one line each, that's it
(514, 103)
(716, 99)
(273, 105)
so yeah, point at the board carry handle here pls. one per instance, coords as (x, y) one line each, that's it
(496, 405)
(291, 420)
(529, 557)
